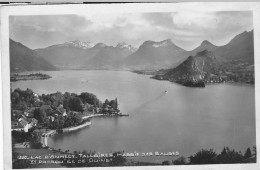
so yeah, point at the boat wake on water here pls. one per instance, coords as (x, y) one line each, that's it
(147, 103)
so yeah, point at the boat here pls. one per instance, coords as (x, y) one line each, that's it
(165, 91)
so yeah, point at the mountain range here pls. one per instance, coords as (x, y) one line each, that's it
(240, 48)
(78, 55)
(23, 58)
(151, 55)
(155, 55)
(197, 69)
(233, 62)
(108, 57)
(205, 45)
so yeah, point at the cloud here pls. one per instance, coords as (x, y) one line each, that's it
(195, 19)
(186, 28)
(46, 27)
(160, 19)
(50, 22)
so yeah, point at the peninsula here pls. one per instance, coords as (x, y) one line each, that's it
(207, 68)
(36, 117)
(33, 76)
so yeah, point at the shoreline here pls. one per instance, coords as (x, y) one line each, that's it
(69, 129)
(209, 84)
(151, 73)
(24, 77)
(45, 136)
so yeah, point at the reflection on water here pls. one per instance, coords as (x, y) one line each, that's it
(185, 119)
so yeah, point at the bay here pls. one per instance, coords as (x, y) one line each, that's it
(184, 119)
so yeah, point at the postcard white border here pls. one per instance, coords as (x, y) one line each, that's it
(6, 11)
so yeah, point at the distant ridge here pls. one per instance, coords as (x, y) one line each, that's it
(151, 55)
(108, 57)
(23, 58)
(79, 44)
(85, 55)
(196, 70)
(233, 62)
(205, 45)
(241, 47)
(155, 55)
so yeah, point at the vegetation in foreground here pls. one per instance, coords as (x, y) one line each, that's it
(203, 156)
(57, 110)
(36, 116)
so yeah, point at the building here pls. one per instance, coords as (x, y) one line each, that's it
(33, 123)
(26, 114)
(17, 126)
(51, 118)
(61, 110)
(29, 112)
(36, 97)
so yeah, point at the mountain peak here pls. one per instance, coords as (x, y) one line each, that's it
(100, 45)
(164, 43)
(79, 44)
(168, 40)
(206, 43)
(123, 45)
(23, 58)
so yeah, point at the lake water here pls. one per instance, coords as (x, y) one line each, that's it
(185, 119)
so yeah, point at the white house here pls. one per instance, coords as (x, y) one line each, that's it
(51, 118)
(17, 126)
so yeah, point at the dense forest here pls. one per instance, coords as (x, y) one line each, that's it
(57, 110)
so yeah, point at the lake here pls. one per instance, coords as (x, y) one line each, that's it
(184, 120)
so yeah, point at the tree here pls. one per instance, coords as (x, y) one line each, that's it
(66, 105)
(113, 104)
(76, 104)
(166, 163)
(106, 102)
(56, 124)
(203, 157)
(69, 122)
(224, 151)
(40, 115)
(76, 119)
(228, 156)
(15, 98)
(118, 159)
(61, 123)
(22, 106)
(248, 153)
(180, 161)
(89, 98)
(37, 145)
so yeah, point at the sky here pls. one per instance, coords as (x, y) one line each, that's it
(187, 29)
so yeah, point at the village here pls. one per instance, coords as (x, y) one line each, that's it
(35, 117)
